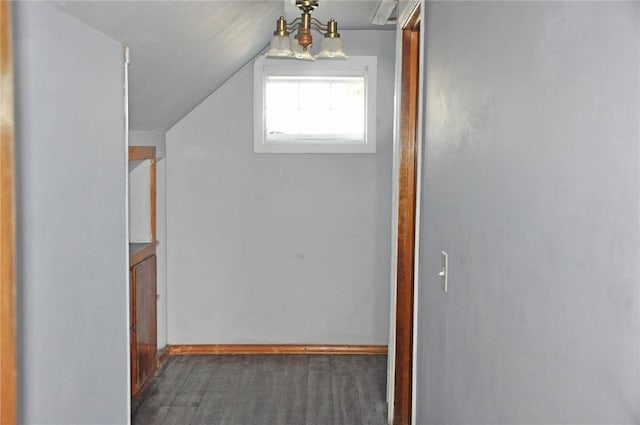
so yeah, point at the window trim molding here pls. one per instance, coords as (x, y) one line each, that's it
(260, 144)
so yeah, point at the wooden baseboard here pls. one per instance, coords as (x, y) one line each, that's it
(162, 357)
(276, 349)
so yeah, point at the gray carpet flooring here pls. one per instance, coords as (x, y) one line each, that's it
(266, 390)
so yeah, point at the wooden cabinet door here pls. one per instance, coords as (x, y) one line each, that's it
(133, 338)
(144, 329)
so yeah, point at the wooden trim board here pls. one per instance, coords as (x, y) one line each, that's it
(8, 393)
(139, 153)
(407, 182)
(152, 198)
(163, 355)
(276, 349)
(142, 254)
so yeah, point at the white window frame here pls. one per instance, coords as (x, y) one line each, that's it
(265, 67)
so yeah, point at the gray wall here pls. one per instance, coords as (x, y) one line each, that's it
(157, 139)
(140, 201)
(531, 185)
(273, 248)
(71, 165)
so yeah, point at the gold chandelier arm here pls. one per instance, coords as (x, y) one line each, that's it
(319, 25)
(293, 24)
(319, 28)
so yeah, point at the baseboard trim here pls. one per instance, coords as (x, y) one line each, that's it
(163, 355)
(276, 349)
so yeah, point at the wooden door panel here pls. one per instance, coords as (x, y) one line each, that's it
(133, 338)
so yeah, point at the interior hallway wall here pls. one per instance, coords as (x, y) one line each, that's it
(531, 186)
(278, 248)
(157, 139)
(71, 165)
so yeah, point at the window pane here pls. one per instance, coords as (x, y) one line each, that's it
(349, 122)
(281, 95)
(312, 109)
(282, 121)
(318, 122)
(347, 95)
(315, 95)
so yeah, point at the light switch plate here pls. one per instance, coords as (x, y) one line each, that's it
(444, 272)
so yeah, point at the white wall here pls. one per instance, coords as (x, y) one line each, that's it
(531, 185)
(156, 139)
(71, 165)
(140, 201)
(273, 248)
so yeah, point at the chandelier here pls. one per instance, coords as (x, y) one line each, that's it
(282, 46)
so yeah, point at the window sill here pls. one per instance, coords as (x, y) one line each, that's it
(314, 148)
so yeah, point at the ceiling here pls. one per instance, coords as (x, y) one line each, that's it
(350, 14)
(182, 51)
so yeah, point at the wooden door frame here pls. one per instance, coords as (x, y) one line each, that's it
(8, 393)
(408, 190)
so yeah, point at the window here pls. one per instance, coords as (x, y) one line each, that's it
(315, 107)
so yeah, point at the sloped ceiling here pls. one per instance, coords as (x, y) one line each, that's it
(350, 14)
(182, 51)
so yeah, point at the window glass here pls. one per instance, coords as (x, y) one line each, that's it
(313, 108)
(326, 106)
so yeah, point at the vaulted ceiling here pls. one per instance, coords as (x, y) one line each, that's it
(182, 51)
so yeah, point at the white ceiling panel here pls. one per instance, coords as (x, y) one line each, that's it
(182, 51)
(350, 14)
